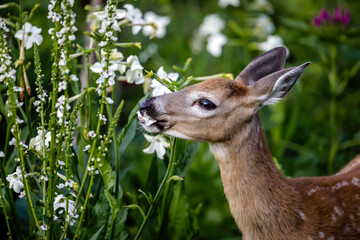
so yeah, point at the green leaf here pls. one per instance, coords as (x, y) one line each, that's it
(95, 236)
(107, 174)
(178, 213)
(112, 201)
(295, 24)
(36, 6)
(2, 6)
(131, 117)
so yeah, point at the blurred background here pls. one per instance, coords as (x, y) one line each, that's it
(313, 131)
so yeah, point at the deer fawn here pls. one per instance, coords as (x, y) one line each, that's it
(264, 204)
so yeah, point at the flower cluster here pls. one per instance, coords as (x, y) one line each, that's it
(61, 203)
(6, 70)
(37, 142)
(158, 88)
(340, 15)
(64, 35)
(226, 3)
(211, 29)
(134, 15)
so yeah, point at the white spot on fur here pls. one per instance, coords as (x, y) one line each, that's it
(315, 189)
(355, 181)
(347, 229)
(333, 218)
(338, 211)
(340, 185)
(330, 238)
(219, 151)
(302, 215)
(321, 235)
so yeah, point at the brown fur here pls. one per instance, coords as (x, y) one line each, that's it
(265, 204)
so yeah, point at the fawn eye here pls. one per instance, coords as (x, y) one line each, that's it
(207, 104)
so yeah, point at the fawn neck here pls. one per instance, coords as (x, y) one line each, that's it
(261, 200)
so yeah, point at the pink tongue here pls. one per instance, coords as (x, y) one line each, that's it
(141, 119)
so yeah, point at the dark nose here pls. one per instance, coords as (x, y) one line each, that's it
(145, 105)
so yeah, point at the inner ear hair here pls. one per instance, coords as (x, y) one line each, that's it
(274, 87)
(265, 64)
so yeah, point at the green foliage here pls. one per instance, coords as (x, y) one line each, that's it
(313, 131)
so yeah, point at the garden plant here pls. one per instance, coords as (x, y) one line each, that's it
(74, 163)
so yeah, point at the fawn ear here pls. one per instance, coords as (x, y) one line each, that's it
(265, 64)
(272, 88)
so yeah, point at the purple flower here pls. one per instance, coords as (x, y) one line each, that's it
(325, 17)
(344, 19)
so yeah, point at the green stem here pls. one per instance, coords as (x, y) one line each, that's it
(26, 186)
(84, 207)
(158, 193)
(5, 212)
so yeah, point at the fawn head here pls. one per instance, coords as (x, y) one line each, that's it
(214, 110)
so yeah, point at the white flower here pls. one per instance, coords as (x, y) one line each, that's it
(19, 121)
(92, 134)
(62, 86)
(134, 74)
(12, 141)
(43, 227)
(87, 147)
(225, 3)
(31, 35)
(45, 178)
(102, 44)
(69, 183)
(263, 25)
(102, 118)
(2, 154)
(18, 89)
(60, 185)
(158, 144)
(158, 88)
(22, 143)
(3, 25)
(74, 78)
(109, 100)
(22, 194)
(212, 24)
(60, 202)
(135, 16)
(271, 42)
(37, 142)
(15, 180)
(104, 74)
(91, 168)
(97, 67)
(215, 43)
(160, 22)
(62, 163)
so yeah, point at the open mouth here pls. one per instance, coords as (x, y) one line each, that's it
(149, 122)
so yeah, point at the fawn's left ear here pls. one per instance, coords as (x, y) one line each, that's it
(272, 88)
